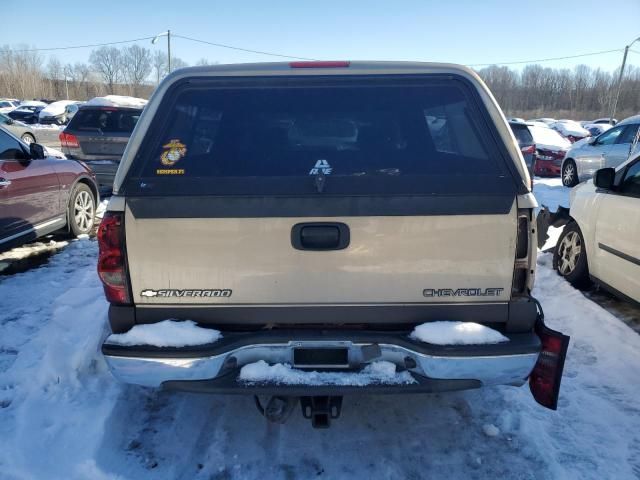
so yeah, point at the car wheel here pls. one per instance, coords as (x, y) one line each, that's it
(570, 257)
(28, 138)
(569, 174)
(82, 210)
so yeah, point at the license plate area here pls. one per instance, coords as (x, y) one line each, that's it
(305, 357)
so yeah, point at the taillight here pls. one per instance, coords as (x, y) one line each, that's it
(68, 140)
(545, 378)
(111, 259)
(320, 64)
(528, 150)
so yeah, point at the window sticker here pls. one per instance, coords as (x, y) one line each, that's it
(173, 152)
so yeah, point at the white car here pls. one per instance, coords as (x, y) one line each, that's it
(570, 130)
(7, 105)
(601, 242)
(59, 112)
(545, 120)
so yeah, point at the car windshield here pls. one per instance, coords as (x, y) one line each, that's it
(549, 137)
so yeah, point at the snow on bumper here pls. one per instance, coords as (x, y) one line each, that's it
(507, 363)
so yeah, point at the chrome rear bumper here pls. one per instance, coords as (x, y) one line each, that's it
(509, 363)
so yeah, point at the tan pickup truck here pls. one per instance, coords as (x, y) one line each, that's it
(333, 228)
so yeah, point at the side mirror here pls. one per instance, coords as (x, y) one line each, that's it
(604, 178)
(36, 151)
(9, 121)
(592, 140)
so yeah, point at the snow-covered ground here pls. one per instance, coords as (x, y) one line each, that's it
(62, 415)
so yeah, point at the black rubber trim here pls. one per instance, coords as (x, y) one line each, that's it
(320, 206)
(225, 316)
(620, 254)
(229, 385)
(121, 318)
(518, 344)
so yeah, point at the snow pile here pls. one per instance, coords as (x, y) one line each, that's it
(456, 333)
(30, 250)
(52, 152)
(375, 373)
(168, 333)
(102, 208)
(117, 101)
(56, 392)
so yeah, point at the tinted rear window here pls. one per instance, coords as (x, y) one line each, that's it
(361, 138)
(522, 134)
(105, 120)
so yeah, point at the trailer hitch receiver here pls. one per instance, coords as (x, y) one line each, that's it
(320, 410)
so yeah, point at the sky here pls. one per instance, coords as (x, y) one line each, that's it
(467, 32)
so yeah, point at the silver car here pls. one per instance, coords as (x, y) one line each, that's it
(608, 149)
(19, 129)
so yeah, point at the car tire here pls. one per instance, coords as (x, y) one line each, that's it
(28, 138)
(570, 257)
(569, 174)
(82, 210)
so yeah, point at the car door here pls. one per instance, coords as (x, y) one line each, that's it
(620, 150)
(595, 153)
(617, 235)
(29, 189)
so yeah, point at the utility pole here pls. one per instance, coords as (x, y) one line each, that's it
(624, 62)
(169, 49)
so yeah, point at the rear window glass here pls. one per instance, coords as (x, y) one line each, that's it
(112, 120)
(369, 137)
(522, 134)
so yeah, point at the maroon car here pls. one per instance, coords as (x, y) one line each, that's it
(40, 194)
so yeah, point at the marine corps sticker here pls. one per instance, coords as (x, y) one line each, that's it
(173, 151)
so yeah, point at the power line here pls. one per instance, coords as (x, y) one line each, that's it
(634, 51)
(545, 59)
(81, 46)
(280, 55)
(242, 49)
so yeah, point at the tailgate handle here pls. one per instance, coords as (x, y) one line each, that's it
(320, 236)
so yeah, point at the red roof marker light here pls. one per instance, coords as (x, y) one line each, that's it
(320, 64)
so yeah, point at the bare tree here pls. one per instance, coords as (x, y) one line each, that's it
(55, 72)
(159, 65)
(82, 75)
(177, 62)
(21, 73)
(107, 62)
(137, 66)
